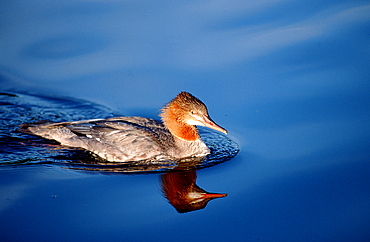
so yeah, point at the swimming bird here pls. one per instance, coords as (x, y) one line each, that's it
(124, 139)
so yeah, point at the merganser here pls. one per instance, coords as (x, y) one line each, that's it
(124, 139)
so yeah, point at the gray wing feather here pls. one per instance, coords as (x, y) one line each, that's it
(115, 139)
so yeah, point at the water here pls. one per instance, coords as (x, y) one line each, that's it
(289, 80)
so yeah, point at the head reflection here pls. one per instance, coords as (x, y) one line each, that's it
(178, 185)
(183, 194)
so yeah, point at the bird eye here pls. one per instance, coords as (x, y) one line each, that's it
(192, 111)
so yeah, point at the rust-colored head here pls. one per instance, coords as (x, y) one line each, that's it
(183, 113)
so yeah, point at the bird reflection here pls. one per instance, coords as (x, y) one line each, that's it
(182, 192)
(178, 185)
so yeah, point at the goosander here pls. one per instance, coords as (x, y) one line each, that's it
(124, 139)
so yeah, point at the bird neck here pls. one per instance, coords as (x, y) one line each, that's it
(171, 117)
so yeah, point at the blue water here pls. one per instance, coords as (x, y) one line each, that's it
(289, 80)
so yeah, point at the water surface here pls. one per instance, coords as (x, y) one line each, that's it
(289, 80)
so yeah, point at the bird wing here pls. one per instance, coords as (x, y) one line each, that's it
(116, 139)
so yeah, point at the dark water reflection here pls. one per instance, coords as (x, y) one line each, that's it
(178, 185)
(183, 193)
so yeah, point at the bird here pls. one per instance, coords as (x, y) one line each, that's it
(124, 139)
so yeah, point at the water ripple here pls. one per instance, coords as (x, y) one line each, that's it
(65, 46)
